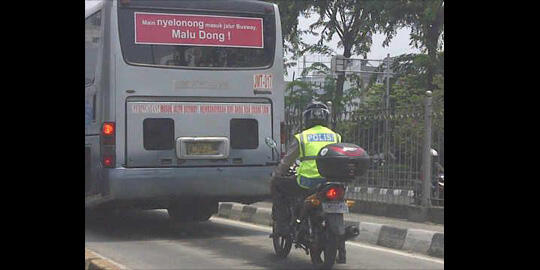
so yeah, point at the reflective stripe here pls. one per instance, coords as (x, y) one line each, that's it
(308, 183)
(302, 145)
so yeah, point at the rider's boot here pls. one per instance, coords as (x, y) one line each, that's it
(341, 257)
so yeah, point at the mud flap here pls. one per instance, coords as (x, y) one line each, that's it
(335, 223)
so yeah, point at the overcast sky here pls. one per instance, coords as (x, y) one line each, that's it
(398, 46)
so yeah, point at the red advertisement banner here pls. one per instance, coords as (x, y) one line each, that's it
(198, 30)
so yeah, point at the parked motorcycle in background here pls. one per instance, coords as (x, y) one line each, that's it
(437, 182)
(316, 220)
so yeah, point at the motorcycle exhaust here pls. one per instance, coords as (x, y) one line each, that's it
(351, 232)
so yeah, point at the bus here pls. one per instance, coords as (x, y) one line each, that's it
(181, 99)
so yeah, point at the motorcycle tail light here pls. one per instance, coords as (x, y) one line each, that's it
(335, 193)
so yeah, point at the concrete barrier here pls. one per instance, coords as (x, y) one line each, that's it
(392, 237)
(369, 232)
(420, 241)
(93, 261)
(403, 211)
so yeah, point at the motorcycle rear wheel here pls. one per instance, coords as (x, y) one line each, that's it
(282, 244)
(329, 250)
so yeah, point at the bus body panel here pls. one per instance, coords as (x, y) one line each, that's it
(159, 183)
(145, 178)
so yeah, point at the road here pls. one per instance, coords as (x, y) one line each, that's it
(149, 240)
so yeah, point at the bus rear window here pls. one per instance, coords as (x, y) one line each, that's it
(244, 133)
(189, 39)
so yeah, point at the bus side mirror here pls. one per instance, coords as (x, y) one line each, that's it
(270, 142)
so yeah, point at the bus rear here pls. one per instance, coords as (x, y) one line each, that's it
(195, 89)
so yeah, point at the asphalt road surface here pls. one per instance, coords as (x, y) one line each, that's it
(149, 240)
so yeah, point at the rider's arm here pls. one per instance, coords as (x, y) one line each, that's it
(293, 153)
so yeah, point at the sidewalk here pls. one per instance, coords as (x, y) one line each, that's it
(426, 238)
(402, 223)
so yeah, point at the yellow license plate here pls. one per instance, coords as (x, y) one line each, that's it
(202, 148)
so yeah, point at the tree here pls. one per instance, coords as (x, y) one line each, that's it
(298, 95)
(354, 22)
(289, 12)
(426, 20)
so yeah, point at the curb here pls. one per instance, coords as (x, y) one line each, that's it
(420, 241)
(395, 210)
(93, 261)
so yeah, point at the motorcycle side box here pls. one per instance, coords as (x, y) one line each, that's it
(342, 161)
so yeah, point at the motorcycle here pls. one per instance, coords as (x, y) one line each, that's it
(316, 219)
(437, 183)
(438, 189)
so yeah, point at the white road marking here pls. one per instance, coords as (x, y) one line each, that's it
(382, 249)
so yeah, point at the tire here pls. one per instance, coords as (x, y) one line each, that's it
(189, 211)
(101, 213)
(205, 211)
(282, 245)
(329, 250)
(180, 213)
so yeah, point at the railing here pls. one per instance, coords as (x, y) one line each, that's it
(396, 141)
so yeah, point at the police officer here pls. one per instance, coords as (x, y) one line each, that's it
(305, 147)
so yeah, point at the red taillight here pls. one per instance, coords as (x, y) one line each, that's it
(108, 129)
(108, 144)
(335, 193)
(108, 161)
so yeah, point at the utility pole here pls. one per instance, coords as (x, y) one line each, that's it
(426, 166)
(387, 101)
(304, 65)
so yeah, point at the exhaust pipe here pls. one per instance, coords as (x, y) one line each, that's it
(351, 232)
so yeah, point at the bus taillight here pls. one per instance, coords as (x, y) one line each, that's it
(108, 161)
(108, 144)
(108, 129)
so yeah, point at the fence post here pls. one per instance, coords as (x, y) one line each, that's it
(426, 166)
(386, 173)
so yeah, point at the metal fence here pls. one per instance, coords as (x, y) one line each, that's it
(395, 140)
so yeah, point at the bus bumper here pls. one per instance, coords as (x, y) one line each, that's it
(157, 183)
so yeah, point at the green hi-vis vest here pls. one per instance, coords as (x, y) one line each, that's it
(310, 142)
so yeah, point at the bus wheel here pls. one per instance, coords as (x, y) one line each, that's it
(187, 211)
(180, 212)
(205, 210)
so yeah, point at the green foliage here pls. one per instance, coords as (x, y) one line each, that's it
(289, 12)
(355, 22)
(317, 67)
(298, 95)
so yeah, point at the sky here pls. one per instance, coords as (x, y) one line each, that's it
(398, 46)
